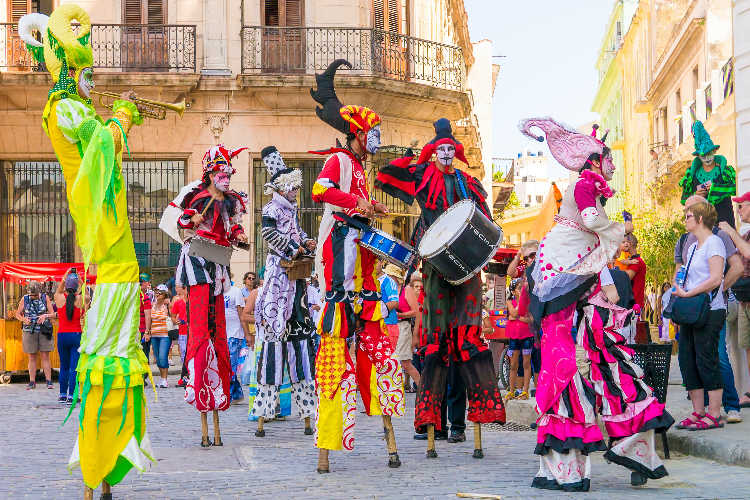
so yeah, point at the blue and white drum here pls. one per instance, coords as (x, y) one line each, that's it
(386, 246)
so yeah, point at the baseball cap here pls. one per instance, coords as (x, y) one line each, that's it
(144, 277)
(162, 288)
(743, 198)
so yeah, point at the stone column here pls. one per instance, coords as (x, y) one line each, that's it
(215, 50)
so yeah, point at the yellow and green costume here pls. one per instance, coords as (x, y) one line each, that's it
(112, 435)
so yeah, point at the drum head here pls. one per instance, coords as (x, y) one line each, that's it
(444, 230)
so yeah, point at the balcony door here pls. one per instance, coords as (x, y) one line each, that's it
(283, 37)
(389, 41)
(145, 44)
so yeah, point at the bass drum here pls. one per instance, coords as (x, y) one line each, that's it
(460, 242)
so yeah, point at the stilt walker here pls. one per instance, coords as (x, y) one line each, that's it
(282, 317)
(112, 435)
(452, 313)
(210, 219)
(571, 280)
(346, 273)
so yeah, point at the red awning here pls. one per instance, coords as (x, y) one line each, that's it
(22, 272)
(505, 253)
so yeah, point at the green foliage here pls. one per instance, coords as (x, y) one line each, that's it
(657, 236)
(513, 202)
(498, 176)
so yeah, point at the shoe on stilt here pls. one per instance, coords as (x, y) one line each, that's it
(393, 461)
(206, 443)
(637, 479)
(308, 431)
(105, 496)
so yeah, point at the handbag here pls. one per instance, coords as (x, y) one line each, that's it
(741, 289)
(690, 310)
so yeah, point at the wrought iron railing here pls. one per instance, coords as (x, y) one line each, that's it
(140, 47)
(285, 50)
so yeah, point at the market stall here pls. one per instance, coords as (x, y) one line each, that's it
(12, 357)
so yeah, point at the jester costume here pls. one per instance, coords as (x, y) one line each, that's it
(352, 290)
(207, 358)
(722, 177)
(283, 324)
(453, 313)
(568, 278)
(112, 435)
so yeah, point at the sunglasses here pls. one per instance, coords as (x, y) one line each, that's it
(688, 216)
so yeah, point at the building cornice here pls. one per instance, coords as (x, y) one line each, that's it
(461, 27)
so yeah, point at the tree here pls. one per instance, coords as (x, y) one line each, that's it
(513, 202)
(657, 236)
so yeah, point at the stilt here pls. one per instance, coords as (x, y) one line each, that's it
(217, 430)
(88, 493)
(260, 432)
(478, 453)
(106, 491)
(390, 441)
(205, 442)
(431, 453)
(323, 465)
(308, 427)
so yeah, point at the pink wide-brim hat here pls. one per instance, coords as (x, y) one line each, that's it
(569, 147)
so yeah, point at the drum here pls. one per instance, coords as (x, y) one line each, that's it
(460, 242)
(297, 269)
(386, 246)
(207, 249)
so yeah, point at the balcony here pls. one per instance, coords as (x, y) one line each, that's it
(372, 52)
(116, 48)
(661, 159)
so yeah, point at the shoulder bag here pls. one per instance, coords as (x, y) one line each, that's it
(690, 310)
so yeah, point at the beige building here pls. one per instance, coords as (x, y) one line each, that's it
(244, 68)
(677, 65)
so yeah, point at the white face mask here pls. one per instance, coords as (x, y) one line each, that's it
(707, 159)
(608, 168)
(373, 140)
(221, 181)
(86, 83)
(445, 154)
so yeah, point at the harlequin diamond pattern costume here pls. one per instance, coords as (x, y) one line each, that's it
(282, 318)
(207, 358)
(351, 288)
(452, 313)
(111, 423)
(567, 278)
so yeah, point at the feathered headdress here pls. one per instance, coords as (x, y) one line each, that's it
(569, 147)
(443, 135)
(219, 159)
(346, 119)
(61, 49)
(282, 178)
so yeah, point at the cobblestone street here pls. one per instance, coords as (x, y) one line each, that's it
(35, 450)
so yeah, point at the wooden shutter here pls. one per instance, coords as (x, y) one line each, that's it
(292, 13)
(144, 12)
(18, 9)
(378, 14)
(155, 12)
(271, 13)
(132, 10)
(282, 12)
(386, 15)
(393, 15)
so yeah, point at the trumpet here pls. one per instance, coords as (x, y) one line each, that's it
(148, 108)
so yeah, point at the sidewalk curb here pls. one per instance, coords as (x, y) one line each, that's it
(702, 445)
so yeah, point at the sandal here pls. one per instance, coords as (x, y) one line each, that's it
(701, 425)
(524, 395)
(688, 422)
(746, 405)
(509, 396)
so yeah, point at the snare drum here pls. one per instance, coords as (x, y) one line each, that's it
(386, 246)
(460, 242)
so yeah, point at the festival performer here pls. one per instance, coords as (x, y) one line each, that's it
(112, 435)
(210, 219)
(282, 318)
(451, 338)
(346, 273)
(571, 280)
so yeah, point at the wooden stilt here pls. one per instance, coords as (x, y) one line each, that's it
(308, 427)
(390, 440)
(217, 430)
(431, 453)
(106, 491)
(260, 432)
(88, 493)
(323, 465)
(205, 442)
(478, 453)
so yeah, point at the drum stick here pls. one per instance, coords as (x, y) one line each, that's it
(207, 205)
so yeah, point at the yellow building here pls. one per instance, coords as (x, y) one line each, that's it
(677, 64)
(244, 68)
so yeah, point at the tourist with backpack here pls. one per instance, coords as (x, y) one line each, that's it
(34, 312)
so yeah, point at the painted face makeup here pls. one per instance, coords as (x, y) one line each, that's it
(86, 83)
(291, 196)
(373, 140)
(608, 168)
(221, 181)
(445, 154)
(707, 159)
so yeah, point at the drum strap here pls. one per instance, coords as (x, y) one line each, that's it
(461, 187)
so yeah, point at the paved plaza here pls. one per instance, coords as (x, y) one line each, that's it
(34, 450)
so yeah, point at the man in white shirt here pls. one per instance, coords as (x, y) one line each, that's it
(234, 303)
